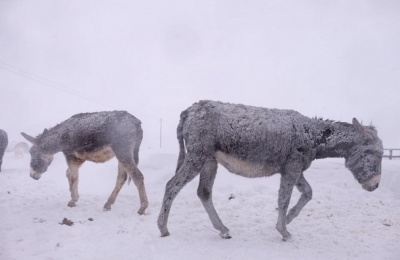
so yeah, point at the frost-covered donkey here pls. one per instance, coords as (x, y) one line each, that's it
(256, 142)
(3, 145)
(95, 137)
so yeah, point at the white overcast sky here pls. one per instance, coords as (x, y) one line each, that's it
(332, 59)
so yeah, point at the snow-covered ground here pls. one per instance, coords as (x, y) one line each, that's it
(341, 222)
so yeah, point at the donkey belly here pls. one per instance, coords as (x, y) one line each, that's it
(99, 156)
(245, 168)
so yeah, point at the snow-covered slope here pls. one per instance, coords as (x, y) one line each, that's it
(341, 222)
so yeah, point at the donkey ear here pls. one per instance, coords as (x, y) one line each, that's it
(31, 139)
(361, 130)
(357, 125)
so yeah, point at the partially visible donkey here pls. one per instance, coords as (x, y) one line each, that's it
(95, 137)
(256, 142)
(20, 148)
(3, 145)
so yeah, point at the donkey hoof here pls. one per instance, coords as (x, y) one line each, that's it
(164, 234)
(107, 207)
(141, 211)
(225, 235)
(71, 204)
(287, 237)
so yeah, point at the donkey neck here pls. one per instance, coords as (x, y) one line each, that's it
(335, 140)
(50, 141)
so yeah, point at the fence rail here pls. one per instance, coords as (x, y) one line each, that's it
(391, 156)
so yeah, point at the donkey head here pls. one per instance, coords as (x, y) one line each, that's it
(365, 157)
(40, 160)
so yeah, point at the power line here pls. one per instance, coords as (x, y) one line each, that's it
(63, 88)
(58, 87)
(47, 83)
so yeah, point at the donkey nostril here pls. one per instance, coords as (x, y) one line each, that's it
(372, 188)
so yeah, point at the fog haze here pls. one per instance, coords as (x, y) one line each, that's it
(331, 59)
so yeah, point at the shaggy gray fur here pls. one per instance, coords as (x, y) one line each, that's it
(95, 137)
(3, 145)
(255, 142)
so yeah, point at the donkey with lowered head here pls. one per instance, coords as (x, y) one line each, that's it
(95, 137)
(257, 142)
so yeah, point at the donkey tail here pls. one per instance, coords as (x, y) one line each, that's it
(182, 149)
(139, 138)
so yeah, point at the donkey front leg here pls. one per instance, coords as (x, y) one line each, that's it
(306, 195)
(288, 180)
(73, 178)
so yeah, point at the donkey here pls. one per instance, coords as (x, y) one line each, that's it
(95, 137)
(257, 142)
(19, 149)
(3, 145)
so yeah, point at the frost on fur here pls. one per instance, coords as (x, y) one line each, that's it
(256, 142)
(95, 137)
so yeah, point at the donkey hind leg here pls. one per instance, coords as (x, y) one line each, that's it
(207, 177)
(190, 168)
(306, 194)
(73, 179)
(136, 175)
(124, 154)
(288, 180)
(121, 179)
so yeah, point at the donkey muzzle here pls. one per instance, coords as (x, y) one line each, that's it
(372, 183)
(35, 175)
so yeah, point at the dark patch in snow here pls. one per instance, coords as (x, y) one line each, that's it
(67, 222)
